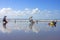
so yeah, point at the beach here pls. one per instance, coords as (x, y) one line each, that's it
(21, 30)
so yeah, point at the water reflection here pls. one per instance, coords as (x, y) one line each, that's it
(9, 27)
(26, 27)
(4, 25)
(28, 31)
(31, 25)
(4, 28)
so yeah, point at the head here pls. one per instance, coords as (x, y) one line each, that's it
(5, 16)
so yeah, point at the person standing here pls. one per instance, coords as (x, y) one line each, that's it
(31, 20)
(4, 19)
(4, 22)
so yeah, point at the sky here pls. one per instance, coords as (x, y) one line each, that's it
(23, 9)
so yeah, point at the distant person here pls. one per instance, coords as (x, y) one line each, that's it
(37, 21)
(53, 23)
(4, 19)
(4, 22)
(31, 20)
(15, 20)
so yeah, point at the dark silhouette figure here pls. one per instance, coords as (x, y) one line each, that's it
(31, 20)
(4, 22)
(15, 21)
(4, 19)
(54, 23)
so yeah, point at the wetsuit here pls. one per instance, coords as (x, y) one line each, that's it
(4, 20)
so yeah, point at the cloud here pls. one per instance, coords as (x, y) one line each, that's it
(27, 12)
(11, 12)
(48, 14)
(36, 10)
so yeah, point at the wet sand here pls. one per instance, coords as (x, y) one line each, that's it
(28, 31)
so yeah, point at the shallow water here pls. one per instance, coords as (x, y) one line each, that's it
(28, 31)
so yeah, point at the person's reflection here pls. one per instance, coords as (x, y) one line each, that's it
(31, 25)
(4, 25)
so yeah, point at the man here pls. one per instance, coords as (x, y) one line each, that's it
(4, 22)
(4, 19)
(31, 20)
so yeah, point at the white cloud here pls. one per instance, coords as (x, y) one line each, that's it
(30, 12)
(11, 12)
(49, 14)
(36, 10)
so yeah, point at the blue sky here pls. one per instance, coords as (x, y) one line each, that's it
(21, 4)
(49, 9)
